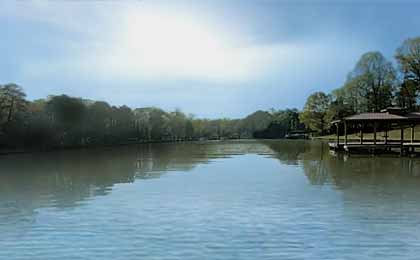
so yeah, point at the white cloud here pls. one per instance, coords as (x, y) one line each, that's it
(134, 41)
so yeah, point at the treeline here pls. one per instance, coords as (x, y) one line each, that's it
(374, 84)
(64, 121)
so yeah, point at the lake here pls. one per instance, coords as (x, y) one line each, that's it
(211, 200)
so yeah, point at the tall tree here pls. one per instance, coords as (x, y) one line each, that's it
(189, 129)
(256, 121)
(12, 101)
(345, 101)
(373, 79)
(315, 111)
(67, 115)
(123, 123)
(407, 94)
(98, 121)
(177, 124)
(408, 57)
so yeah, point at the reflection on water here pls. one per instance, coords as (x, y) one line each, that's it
(270, 198)
(66, 178)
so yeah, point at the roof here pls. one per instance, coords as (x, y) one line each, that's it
(383, 116)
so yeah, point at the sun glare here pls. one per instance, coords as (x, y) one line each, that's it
(158, 45)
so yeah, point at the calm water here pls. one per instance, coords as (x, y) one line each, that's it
(229, 200)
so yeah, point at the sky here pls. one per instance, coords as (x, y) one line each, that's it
(218, 58)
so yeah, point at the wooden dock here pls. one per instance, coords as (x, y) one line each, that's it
(396, 147)
(387, 119)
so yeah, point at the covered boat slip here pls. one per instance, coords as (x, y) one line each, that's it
(378, 127)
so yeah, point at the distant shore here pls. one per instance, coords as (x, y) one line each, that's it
(4, 152)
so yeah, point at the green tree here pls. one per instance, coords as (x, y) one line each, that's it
(256, 121)
(315, 111)
(12, 101)
(408, 58)
(39, 131)
(283, 122)
(407, 95)
(151, 123)
(343, 104)
(189, 129)
(98, 122)
(67, 115)
(372, 81)
(288, 119)
(177, 124)
(122, 123)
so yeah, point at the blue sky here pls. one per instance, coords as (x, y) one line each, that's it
(210, 58)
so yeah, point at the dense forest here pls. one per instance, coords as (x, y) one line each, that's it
(64, 121)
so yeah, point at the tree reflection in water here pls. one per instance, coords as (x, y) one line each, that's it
(68, 179)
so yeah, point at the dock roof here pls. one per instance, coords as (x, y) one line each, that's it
(413, 116)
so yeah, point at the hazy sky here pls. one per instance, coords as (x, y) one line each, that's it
(211, 58)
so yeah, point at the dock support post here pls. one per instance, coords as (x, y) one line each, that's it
(345, 133)
(386, 133)
(413, 149)
(361, 133)
(374, 133)
(412, 134)
(338, 135)
(402, 141)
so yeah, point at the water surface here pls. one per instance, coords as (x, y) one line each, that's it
(214, 200)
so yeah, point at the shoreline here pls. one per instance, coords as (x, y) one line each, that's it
(6, 152)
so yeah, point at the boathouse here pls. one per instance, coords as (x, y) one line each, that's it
(381, 122)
